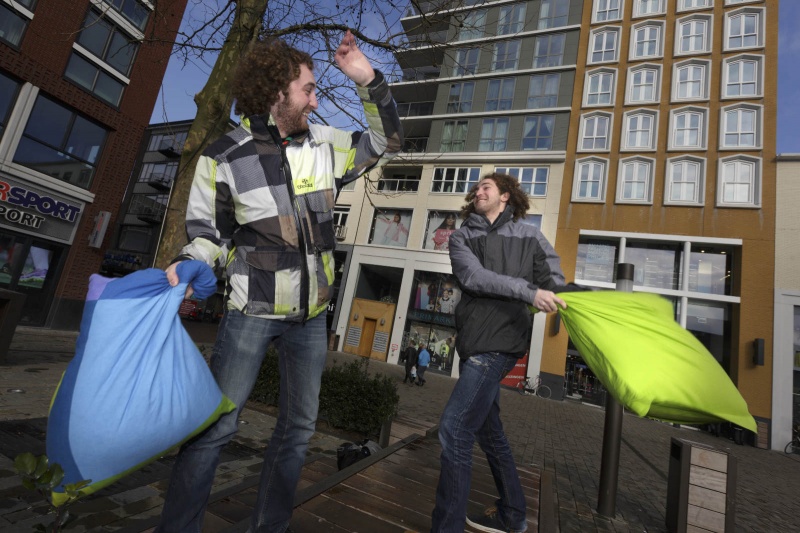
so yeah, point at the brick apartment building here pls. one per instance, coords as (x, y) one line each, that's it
(78, 82)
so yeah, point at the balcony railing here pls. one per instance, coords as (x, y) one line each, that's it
(169, 149)
(398, 185)
(415, 144)
(340, 231)
(415, 109)
(162, 182)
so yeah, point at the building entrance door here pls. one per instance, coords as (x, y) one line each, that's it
(367, 337)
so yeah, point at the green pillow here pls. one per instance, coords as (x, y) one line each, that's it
(648, 362)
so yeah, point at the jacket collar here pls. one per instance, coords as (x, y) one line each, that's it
(480, 221)
(266, 131)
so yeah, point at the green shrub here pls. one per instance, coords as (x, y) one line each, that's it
(350, 399)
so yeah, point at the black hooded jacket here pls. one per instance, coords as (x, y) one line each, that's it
(499, 268)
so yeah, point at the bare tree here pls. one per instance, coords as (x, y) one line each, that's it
(219, 33)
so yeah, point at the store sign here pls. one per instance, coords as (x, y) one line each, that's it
(35, 210)
(431, 317)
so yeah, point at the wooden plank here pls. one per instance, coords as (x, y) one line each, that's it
(703, 518)
(350, 518)
(709, 479)
(695, 529)
(711, 459)
(417, 517)
(707, 499)
(302, 520)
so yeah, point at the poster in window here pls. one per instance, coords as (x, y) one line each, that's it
(441, 224)
(390, 228)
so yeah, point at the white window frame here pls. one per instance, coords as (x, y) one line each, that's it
(597, 4)
(605, 30)
(596, 163)
(632, 72)
(472, 29)
(657, 25)
(584, 132)
(759, 81)
(495, 137)
(754, 193)
(452, 142)
(709, 22)
(553, 5)
(759, 13)
(507, 57)
(705, 82)
(698, 198)
(626, 124)
(737, 2)
(758, 110)
(637, 8)
(707, 4)
(501, 82)
(528, 186)
(545, 76)
(587, 86)
(459, 64)
(648, 185)
(702, 137)
(516, 17)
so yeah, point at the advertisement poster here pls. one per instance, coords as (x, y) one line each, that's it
(390, 228)
(441, 224)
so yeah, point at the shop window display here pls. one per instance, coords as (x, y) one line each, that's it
(441, 224)
(431, 319)
(390, 228)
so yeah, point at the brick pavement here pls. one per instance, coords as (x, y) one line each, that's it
(564, 438)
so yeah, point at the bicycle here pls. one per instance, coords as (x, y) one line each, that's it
(794, 444)
(533, 387)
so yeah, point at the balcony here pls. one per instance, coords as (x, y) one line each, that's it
(149, 215)
(415, 144)
(340, 231)
(398, 185)
(415, 109)
(161, 182)
(169, 149)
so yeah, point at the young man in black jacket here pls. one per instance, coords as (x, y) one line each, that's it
(503, 266)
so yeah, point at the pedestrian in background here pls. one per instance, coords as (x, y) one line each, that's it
(423, 360)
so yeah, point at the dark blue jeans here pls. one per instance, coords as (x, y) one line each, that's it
(473, 411)
(241, 344)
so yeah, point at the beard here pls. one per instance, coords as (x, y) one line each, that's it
(289, 117)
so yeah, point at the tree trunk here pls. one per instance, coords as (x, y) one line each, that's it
(214, 103)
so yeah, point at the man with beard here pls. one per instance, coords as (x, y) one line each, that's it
(502, 266)
(261, 207)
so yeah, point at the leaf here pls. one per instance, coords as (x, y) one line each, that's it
(29, 484)
(25, 463)
(58, 475)
(41, 466)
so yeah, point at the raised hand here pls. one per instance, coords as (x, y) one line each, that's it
(353, 62)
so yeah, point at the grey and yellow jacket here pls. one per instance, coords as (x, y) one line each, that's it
(262, 207)
(499, 268)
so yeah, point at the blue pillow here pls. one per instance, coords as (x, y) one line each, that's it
(138, 386)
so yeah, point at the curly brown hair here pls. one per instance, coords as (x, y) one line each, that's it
(267, 70)
(517, 198)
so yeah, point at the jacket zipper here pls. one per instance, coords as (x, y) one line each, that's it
(305, 275)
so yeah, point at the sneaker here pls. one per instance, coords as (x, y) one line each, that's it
(490, 521)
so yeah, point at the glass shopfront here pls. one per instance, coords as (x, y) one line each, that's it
(431, 319)
(30, 266)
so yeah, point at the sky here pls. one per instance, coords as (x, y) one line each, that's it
(181, 82)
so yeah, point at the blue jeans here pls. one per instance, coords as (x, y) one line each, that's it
(473, 411)
(241, 344)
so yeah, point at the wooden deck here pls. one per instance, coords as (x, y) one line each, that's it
(392, 491)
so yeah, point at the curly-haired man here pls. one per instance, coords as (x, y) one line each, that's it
(502, 266)
(261, 207)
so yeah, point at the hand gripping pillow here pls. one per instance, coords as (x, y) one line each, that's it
(648, 362)
(137, 386)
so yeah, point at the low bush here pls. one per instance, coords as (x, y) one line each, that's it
(350, 399)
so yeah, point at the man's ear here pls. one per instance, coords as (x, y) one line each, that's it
(505, 197)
